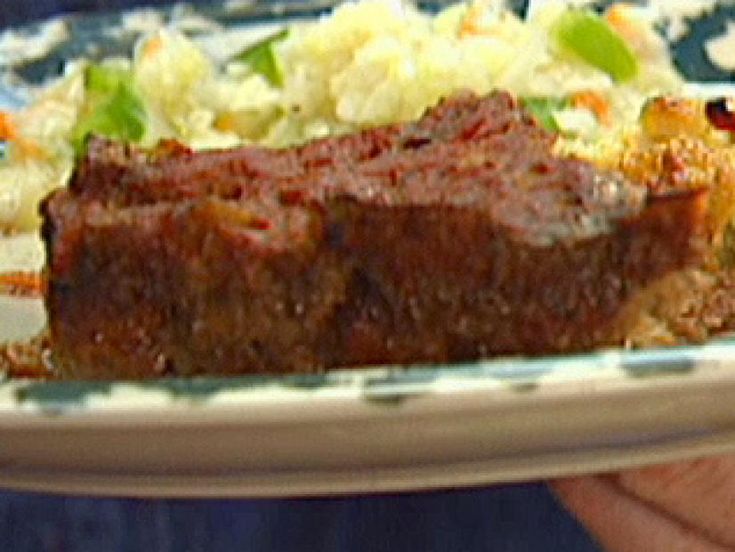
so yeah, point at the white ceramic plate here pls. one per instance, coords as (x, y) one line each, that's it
(363, 431)
(377, 430)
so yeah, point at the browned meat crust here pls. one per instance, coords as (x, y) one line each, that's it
(454, 238)
(116, 173)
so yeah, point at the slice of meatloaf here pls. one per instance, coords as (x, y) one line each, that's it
(476, 240)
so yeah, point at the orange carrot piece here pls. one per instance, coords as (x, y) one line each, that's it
(595, 102)
(22, 284)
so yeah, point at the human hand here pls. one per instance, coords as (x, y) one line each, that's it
(684, 507)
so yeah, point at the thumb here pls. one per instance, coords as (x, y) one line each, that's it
(623, 522)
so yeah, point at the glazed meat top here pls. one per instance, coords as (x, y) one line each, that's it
(484, 153)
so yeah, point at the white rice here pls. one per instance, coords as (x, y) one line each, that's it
(368, 63)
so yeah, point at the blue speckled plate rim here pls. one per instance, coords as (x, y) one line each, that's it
(688, 51)
(380, 385)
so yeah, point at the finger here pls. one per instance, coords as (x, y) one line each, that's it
(621, 523)
(700, 493)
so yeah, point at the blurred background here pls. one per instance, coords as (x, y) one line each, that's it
(508, 518)
(14, 12)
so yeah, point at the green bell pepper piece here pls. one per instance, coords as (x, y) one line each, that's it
(589, 36)
(262, 58)
(542, 108)
(115, 109)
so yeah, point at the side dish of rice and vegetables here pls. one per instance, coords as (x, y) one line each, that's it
(584, 74)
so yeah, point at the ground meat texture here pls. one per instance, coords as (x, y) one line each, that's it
(454, 238)
(118, 173)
